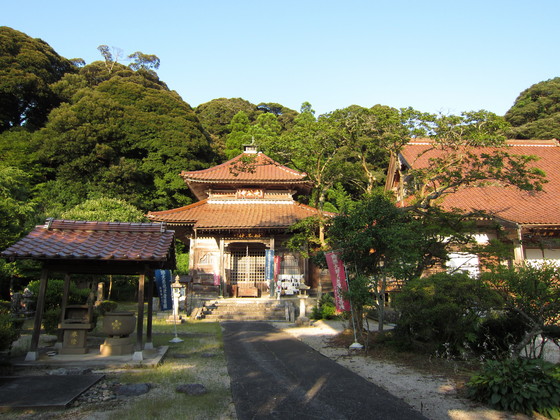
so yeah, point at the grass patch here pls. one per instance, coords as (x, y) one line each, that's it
(199, 358)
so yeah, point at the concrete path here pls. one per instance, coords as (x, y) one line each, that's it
(275, 376)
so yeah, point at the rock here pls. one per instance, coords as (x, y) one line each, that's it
(180, 356)
(303, 321)
(191, 389)
(73, 371)
(132, 390)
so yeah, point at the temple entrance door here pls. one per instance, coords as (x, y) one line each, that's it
(248, 266)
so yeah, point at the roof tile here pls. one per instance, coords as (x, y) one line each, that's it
(509, 203)
(236, 214)
(262, 169)
(67, 239)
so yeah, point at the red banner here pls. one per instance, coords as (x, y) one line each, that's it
(338, 278)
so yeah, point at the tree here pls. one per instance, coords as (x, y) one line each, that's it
(28, 67)
(17, 212)
(536, 112)
(16, 206)
(110, 55)
(313, 147)
(105, 209)
(124, 135)
(389, 246)
(238, 136)
(265, 130)
(217, 115)
(371, 136)
(286, 116)
(534, 294)
(143, 61)
(459, 164)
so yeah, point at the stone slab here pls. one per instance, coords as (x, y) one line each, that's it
(43, 391)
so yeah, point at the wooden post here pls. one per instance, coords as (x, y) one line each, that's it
(33, 353)
(65, 294)
(150, 298)
(140, 321)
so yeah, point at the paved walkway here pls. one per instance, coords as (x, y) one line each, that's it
(275, 376)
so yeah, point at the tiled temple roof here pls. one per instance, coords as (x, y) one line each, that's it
(245, 169)
(508, 203)
(77, 240)
(236, 214)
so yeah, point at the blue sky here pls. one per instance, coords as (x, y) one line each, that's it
(436, 56)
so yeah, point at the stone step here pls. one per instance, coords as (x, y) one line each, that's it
(233, 317)
(250, 310)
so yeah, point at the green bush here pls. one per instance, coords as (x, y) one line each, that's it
(443, 311)
(106, 306)
(518, 385)
(325, 308)
(5, 307)
(51, 319)
(55, 291)
(498, 334)
(10, 330)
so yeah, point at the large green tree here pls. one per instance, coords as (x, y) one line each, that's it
(123, 134)
(28, 67)
(265, 130)
(17, 210)
(536, 112)
(286, 116)
(389, 246)
(216, 117)
(370, 137)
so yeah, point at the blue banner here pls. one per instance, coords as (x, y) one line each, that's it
(269, 264)
(163, 281)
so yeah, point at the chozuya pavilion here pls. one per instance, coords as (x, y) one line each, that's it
(236, 232)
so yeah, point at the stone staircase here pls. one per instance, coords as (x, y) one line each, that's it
(248, 309)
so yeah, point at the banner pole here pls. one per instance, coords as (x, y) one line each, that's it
(355, 345)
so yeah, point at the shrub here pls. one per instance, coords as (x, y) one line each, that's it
(5, 307)
(497, 335)
(55, 291)
(10, 329)
(325, 308)
(518, 385)
(106, 306)
(51, 319)
(442, 310)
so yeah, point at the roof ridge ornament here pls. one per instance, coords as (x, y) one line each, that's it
(250, 148)
(48, 223)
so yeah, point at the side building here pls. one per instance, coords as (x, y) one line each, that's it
(527, 220)
(246, 206)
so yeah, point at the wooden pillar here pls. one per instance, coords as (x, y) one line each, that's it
(33, 353)
(518, 252)
(150, 297)
(65, 294)
(140, 320)
(222, 270)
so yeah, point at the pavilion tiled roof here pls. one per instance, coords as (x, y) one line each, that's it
(262, 170)
(236, 214)
(507, 203)
(78, 240)
(246, 169)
